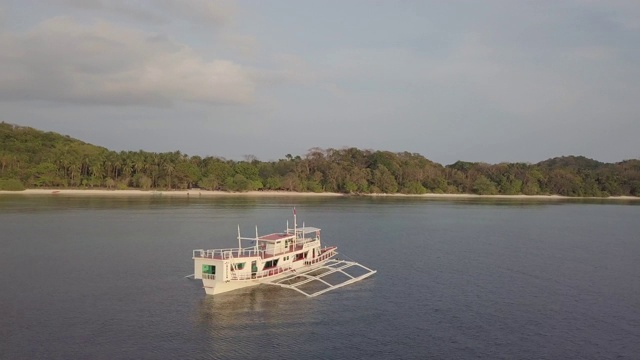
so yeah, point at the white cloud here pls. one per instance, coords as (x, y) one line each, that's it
(63, 60)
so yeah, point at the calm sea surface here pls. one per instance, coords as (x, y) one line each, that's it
(103, 278)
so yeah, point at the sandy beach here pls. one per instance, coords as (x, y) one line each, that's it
(177, 193)
(206, 193)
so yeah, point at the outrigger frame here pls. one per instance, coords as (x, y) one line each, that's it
(295, 280)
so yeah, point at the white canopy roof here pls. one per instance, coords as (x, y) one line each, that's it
(308, 229)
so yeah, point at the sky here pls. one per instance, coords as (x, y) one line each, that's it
(489, 81)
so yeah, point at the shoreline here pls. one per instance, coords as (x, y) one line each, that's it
(208, 193)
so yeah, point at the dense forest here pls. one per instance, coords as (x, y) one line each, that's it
(31, 158)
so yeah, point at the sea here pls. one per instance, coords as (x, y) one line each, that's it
(104, 278)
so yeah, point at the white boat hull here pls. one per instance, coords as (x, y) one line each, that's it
(213, 287)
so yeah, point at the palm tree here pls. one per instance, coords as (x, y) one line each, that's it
(169, 168)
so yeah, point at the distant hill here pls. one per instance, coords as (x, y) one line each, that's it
(572, 162)
(32, 158)
(35, 146)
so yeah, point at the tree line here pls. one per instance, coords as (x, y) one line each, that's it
(31, 158)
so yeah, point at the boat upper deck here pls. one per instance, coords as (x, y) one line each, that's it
(275, 237)
(265, 246)
(290, 234)
(223, 254)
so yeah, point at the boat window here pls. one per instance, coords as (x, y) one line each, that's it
(240, 266)
(208, 269)
(270, 263)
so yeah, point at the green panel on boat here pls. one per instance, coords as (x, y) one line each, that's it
(208, 269)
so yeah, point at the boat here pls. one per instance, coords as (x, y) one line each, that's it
(293, 259)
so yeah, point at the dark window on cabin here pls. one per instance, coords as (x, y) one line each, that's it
(240, 266)
(208, 269)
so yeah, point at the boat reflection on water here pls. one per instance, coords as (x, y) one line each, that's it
(265, 298)
(237, 313)
(252, 322)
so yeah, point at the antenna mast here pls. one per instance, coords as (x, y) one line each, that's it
(295, 222)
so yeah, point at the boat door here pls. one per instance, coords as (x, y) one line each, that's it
(254, 269)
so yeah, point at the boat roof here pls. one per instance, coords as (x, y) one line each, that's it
(275, 236)
(281, 236)
(307, 229)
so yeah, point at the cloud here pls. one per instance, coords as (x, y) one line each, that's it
(288, 68)
(209, 12)
(509, 80)
(245, 45)
(101, 63)
(625, 13)
(206, 11)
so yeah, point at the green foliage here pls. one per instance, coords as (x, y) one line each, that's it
(313, 186)
(510, 186)
(274, 183)
(32, 158)
(384, 180)
(484, 186)
(414, 188)
(208, 183)
(11, 185)
(186, 174)
(143, 182)
(256, 185)
(291, 182)
(247, 170)
(349, 187)
(436, 184)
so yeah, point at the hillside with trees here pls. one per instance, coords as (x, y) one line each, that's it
(31, 158)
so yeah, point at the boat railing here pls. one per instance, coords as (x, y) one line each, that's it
(306, 241)
(328, 253)
(259, 274)
(227, 253)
